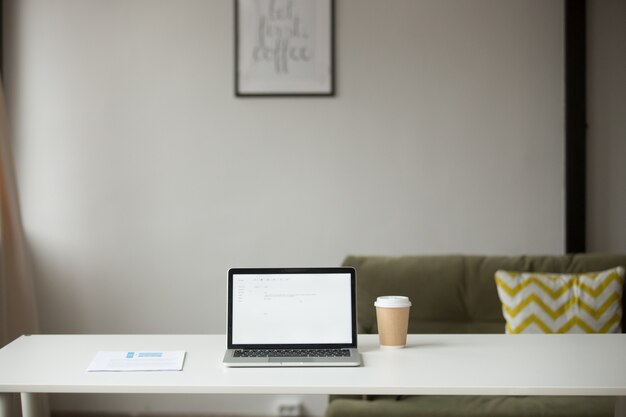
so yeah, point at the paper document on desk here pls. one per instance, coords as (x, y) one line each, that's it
(118, 361)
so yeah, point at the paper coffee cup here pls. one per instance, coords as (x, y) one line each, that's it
(392, 316)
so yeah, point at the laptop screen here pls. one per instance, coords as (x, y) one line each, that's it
(291, 307)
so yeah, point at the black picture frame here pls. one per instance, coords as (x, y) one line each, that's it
(284, 48)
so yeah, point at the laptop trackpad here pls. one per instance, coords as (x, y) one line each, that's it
(290, 360)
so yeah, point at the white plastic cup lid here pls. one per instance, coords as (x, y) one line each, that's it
(392, 301)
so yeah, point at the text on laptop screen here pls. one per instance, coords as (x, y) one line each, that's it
(291, 309)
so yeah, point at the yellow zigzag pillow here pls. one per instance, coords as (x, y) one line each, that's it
(561, 303)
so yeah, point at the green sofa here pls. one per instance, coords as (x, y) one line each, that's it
(457, 294)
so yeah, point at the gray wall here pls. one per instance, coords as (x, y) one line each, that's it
(606, 116)
(143, 178)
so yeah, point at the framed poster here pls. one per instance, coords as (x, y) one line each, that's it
(284, 48)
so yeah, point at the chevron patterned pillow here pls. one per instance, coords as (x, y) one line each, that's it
(536, 302)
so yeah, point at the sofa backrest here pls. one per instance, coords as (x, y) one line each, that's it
(455, 293)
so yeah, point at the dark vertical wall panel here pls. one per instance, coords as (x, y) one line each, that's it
(575, 126)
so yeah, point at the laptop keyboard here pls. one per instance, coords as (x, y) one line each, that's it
(291, 353)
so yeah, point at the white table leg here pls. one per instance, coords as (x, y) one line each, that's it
(6, 399)
(30, 404)
(620, 407)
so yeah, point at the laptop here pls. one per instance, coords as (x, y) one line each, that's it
(292, 317)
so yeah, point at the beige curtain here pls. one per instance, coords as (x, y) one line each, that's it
(18, 308)
(18, 312)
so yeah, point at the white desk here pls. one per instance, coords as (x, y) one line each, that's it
(430, 365)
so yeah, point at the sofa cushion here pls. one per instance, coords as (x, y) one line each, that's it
(561, 303)
(454, 293)
(433, 283)
(478, 406)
